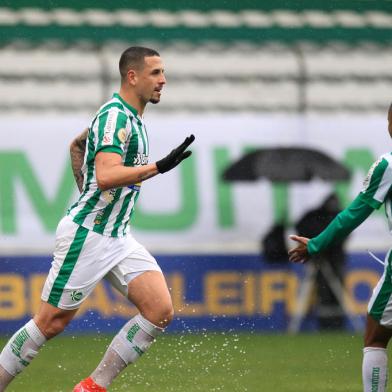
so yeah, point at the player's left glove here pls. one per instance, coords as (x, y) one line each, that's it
(176, 156)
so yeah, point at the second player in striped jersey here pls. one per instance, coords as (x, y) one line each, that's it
(376, 191)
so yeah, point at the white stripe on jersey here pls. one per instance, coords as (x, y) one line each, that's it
(386, 181)
(108, 131)
(126, 216)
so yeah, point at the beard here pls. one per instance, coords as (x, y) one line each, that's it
(154, 100)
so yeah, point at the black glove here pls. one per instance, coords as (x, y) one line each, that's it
(176, 156)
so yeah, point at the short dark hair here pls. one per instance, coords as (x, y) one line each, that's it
(134, 57)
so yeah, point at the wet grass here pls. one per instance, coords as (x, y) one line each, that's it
(207, 362)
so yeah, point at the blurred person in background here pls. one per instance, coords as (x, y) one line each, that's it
(330, 315)
(273, 245)
(377, 190)
(93, 240)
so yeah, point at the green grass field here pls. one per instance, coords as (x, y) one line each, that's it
(209, 362)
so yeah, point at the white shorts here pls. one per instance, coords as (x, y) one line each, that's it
(380, 304)
(82, 258)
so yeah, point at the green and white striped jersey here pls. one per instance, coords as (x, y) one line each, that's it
(377, 186)
(117, 128)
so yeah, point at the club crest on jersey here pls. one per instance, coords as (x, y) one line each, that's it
(140, 159)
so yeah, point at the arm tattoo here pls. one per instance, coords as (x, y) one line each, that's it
(77, 149)
(146, 176)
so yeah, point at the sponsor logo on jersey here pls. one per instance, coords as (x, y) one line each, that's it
(107, 139)
(140, 159)
(109, 195)
(366, 181)
(109, 128)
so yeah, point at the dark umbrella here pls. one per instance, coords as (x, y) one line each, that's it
(286, 164)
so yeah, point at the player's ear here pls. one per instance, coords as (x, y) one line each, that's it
(132, 77)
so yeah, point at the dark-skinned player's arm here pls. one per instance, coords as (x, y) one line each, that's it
(77, 150)
(343, 224)
(376, 188)
(111, 173)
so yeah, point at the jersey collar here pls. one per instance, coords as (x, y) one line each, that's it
(127, 105)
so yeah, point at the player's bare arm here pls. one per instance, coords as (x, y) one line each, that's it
(77, 150)
(300, 253)
(111, 173)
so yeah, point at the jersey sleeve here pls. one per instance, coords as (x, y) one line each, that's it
(113, 130)
(343, 224)
(377, 183)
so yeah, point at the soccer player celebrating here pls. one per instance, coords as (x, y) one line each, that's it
(93, 240)
(377, 190)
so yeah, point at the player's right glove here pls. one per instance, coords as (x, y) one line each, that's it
(176, 156)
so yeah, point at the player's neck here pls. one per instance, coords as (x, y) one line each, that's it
(132, 99)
